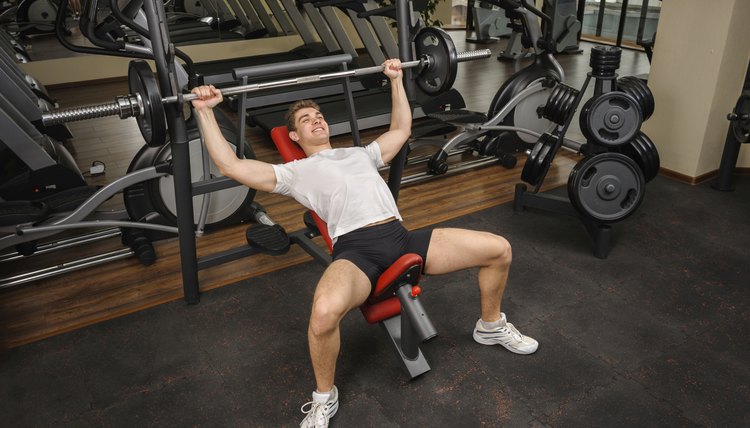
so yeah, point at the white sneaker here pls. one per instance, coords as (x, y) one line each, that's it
(318, 414)
(507, 335)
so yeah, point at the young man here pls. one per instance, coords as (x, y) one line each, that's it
(344, 187)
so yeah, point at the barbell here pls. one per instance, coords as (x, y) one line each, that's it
(437, 67)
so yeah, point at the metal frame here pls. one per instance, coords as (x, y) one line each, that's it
(184, 191)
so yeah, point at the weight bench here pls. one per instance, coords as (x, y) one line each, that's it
(394, 302)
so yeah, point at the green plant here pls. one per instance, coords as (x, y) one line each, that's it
(425, 7)
(428, 11)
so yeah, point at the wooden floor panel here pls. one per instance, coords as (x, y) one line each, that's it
(55, 305)
(48, 307)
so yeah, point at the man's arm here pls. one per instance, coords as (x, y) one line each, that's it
(393, 140)
(250, 172)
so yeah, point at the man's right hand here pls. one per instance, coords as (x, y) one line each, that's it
(210, 97)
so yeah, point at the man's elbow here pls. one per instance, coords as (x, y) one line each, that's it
(228, 169)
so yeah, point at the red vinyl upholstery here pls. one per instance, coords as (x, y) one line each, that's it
(374, 311)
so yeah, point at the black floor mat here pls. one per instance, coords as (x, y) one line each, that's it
(656, 335)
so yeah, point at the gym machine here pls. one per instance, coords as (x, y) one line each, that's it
(37, 17)
(45, 194)
(737, 134)
(511, 122)
(488, 23)
(561, 28)
(12, 47)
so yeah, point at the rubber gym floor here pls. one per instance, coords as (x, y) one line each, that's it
(656, 335)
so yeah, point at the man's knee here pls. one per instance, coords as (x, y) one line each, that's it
(325, 316)
(502, 250)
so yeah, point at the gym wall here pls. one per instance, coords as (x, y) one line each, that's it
(700, 60)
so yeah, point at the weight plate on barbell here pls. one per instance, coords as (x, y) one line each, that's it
(741, 118)
(607, 187)
(611, 119)
(539, 159)
(440, 74)
(151, 121)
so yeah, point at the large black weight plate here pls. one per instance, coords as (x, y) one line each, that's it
(607, 187)
(539, 159)
(611, 119)
(639, 90)
(440, 74)
(741, 118)
(152, 122)
(643, 151)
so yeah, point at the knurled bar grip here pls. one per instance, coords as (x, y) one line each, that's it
(132, 105)
(124, 106)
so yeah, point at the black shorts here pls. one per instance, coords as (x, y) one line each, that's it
(373, 249)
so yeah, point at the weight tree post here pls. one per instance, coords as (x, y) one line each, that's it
(183, 185)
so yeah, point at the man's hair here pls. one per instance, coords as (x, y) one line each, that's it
(294, 108)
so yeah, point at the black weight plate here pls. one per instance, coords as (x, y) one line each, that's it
(640, 91)
(554, 109)
(639, 152)
(549, 109)
(741, 126)
(646, 156)
(648, 104)
(152, 122)
(634, 150)
(607, 187)
(440, 74)
(582, 118)
(652, 154)
(539, 160)
(528, 173)
(611, 119)
(568, 104)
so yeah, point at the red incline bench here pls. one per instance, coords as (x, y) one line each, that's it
(394, 302)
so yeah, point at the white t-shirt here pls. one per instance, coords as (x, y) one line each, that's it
(343, 186)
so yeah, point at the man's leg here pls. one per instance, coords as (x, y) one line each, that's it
(455, 249)
(342, 287)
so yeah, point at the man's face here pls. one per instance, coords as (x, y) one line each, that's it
(312, 128)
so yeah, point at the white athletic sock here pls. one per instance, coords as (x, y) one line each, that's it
(321, 397)
(494, 324)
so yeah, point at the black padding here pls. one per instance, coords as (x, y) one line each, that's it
(19, 212)
(271, 240)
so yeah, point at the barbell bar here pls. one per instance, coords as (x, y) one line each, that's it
(133, 105)
(424, 62)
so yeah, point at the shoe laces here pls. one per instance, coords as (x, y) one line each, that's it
(318, 410)
(514, 331)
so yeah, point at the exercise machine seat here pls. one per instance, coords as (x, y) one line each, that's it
(395, 291)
